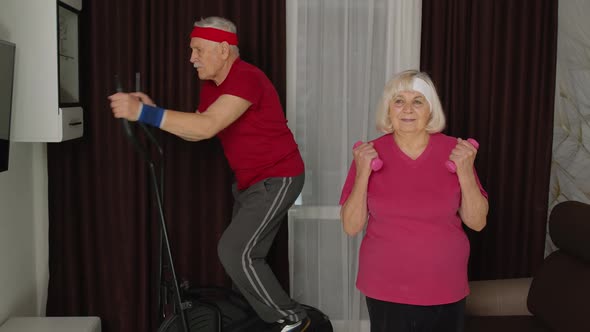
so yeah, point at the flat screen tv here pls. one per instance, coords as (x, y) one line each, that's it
(6, 87)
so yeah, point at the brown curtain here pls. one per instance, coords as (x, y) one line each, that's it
(494, 65)
(103, 230)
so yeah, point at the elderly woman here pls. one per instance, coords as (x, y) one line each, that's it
(413, 257)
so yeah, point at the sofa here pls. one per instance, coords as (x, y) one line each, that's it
(556, 298)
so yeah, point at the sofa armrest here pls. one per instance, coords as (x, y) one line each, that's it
(502, 297)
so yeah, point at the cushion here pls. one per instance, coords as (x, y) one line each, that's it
(569, 226)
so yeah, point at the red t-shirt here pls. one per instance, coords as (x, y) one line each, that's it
(258, 145)
(415, 250)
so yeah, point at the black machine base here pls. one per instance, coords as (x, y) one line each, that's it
(223, 310)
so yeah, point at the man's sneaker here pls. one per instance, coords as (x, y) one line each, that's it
(300, 326)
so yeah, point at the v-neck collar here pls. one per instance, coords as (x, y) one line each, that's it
(412, 162)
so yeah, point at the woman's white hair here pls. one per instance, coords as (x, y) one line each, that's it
(221, 24)
(403, 82)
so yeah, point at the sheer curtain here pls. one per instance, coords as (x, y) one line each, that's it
(571, 136)
(340, 53)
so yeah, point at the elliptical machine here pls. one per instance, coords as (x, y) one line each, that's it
(207, 309)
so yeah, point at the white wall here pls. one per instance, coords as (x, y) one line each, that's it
(23, 232)
(23, 196)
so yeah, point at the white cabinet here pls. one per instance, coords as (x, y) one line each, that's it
(33, 26)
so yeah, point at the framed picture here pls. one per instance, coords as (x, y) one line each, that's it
(69, 68)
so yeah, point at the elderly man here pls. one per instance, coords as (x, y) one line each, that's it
(239, 104)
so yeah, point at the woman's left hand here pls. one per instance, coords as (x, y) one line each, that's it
(463, 155)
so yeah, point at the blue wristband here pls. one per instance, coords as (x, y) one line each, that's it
(151, 115)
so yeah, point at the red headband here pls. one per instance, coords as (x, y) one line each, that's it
(215, 35)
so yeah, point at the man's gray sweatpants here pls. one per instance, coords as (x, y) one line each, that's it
(257, 215)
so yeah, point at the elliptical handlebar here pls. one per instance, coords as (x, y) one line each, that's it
(143, 152)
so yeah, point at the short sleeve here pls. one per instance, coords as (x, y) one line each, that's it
(244, 84)
(348, 184)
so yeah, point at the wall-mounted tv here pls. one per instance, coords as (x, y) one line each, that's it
(6, 85)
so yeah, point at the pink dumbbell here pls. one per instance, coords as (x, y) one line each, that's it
(376, 163)
(451, 165)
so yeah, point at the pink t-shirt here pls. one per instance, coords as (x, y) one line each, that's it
(258, 145)
(415, 250)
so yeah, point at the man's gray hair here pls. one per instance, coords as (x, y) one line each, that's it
(216, 22)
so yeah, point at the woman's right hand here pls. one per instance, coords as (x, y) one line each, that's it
(363, 154)
(145, 99)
